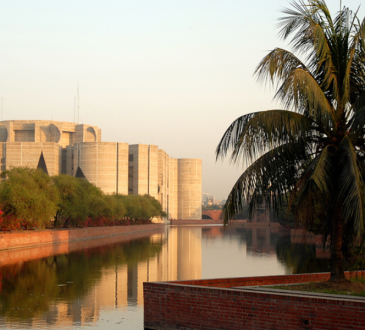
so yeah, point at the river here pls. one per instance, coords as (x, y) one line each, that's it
(99, 283)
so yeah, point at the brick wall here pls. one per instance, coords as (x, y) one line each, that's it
(11, 240)
(12, 256)
(213, 214)
(213, 304)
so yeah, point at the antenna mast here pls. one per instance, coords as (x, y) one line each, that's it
(74, 109)
(78, 104)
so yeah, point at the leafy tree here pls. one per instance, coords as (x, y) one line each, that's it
(79, 199)
(93, 203)
(142, 207)
(152, 207)
(71, 204)
(213, 207)
(314, 151)
(115, 209)
(132, 206)
(28, 194)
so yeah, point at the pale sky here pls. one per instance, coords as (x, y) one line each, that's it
(174, 73)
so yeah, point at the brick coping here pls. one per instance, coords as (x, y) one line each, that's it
(327, 299)
(298, 293)
(222, 285)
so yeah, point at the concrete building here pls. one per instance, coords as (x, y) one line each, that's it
(114, 167)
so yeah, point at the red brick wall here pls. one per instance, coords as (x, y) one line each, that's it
(10, 240)
(211, 304)
(12, 256)
(214, 214)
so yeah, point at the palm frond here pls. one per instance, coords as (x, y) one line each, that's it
(357, 71)
(278, 64)
(301, 19)
(312, 24)
(274, 173)
(302, 91)
(322, 59)
(233, 133)
(317, 180)
(351, 188)
(347, 76)
(254, 134)
(321, 169)
(357, 122)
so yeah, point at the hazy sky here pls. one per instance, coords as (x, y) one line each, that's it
(174, 73)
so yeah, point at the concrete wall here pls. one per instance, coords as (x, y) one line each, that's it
(103, 164)
(28, 154)
(122, 168)
(164, 180)
(189, 188)
(63, 133)
(216, 304)
(173, 196)
(175, 183)
(143, 170)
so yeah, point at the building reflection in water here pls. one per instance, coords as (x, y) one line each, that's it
(95, 277)
(263, 240)
(121, 286)
(257, 239)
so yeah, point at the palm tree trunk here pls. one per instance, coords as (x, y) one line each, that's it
(337, 269)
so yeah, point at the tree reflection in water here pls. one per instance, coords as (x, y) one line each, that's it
(28, 288)
(300, 258)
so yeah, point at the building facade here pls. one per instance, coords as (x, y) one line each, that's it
(77, 149)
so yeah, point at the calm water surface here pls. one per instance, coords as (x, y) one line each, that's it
(99, 283)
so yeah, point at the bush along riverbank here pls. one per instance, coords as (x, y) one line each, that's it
(30, 199)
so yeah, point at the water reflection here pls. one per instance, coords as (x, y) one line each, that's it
(302, 258)
(94, 282)
(259, 239)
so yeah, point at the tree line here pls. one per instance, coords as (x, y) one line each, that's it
(30, 198)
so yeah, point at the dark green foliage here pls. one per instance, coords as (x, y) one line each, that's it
(142, 207)
(74, 200)
(28, 194)
(301, 258)
(213, 207)
(355, 257)
(31, 197)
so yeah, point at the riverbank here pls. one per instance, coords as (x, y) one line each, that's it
(13, 256)
(30, 238)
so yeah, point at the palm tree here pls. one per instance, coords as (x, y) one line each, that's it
(314, 152)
